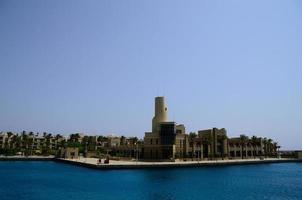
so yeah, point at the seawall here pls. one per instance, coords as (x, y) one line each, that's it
(29, 158)
(145, 165)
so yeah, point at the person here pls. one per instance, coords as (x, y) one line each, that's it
(106, 160)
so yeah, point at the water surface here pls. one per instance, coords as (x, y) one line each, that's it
(39, 180)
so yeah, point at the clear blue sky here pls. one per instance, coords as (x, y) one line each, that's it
(96, 66)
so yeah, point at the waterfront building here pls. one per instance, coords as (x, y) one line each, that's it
(6, 139)
(168, 140)
(113, 141)
(299, 154)
(2, 139)
(69, 153)
(241, 147)
(209, 143)
(129, 147)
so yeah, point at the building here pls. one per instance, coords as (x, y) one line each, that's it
(130, 147)
(167, 139)
(69, 153)
(208, 144)
(5, 140)
(114, 141)
(299, 154)
(3, 137)
(241, 147)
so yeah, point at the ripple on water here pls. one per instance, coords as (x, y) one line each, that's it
(50, 180)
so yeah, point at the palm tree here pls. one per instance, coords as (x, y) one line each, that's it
(278, 148)
(101, 138)
(6, 146)
(270, 144)
(123, 140)
(275, 148)
(74, 140)
(254, 141)
(92, 143)
(192, 135)
(59, 142)
(7, 142)
(210, 141)
(58, 137)
(135, 140)
(18, 143)
(84, 144)
(13, 142)
(9, 134)
(223, 138)
(243, 141)
(24, 138)
(31, 142)
(265, 146)
(47, 142)
(75, 137)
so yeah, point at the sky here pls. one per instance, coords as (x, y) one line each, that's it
(96, 66)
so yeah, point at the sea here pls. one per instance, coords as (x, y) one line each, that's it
(49, 180)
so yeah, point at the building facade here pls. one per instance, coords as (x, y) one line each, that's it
(168, 140)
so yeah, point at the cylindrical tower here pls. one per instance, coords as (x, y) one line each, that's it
(161, 113)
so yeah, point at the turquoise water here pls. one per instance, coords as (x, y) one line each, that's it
(37, 180)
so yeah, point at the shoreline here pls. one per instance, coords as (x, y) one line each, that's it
(27, 158)
(92, 162)
(186, 164)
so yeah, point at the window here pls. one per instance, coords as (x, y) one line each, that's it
(167, 134)
(151, 141)
(178, 131)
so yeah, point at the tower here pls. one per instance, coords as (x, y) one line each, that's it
(161, 113)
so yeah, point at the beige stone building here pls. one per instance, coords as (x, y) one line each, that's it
(208, 144)
(299, 154)
(249, 148)
(69, 153)
(169, 140)
(3, 139)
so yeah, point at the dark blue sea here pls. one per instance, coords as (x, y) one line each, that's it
(38, 180)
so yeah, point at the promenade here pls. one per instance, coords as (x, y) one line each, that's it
(133, 164)
(114, 164)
